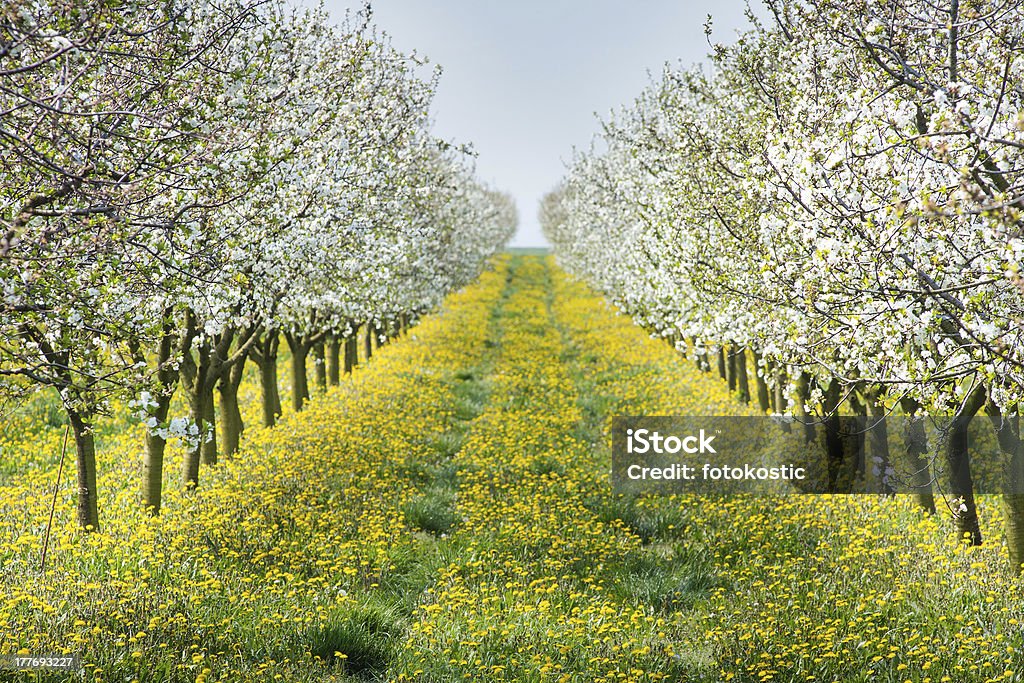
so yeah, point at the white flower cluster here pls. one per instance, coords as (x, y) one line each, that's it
(210, 168)
(840, 193)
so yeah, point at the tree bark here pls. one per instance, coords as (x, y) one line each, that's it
(1012, 499)
(300, 386)
(153, 462)
(742, 382)
(265, 354)
(202, 374)
(878, 442)
(778, 396)
(195, 372)
(320, 366)
(721, 363)
(167, 379)
(368, 347)
(209, 444)
(916, 441)
(300, 345)
(230, 419)
(730, 369)
(378, 333)
(760, 370)
(334, 361)
(958, 463)
(854, 434)
(803, 395)
(698, 358)
(231, 425)
(351, 352)
(779, 403)
(702, 361)
(831, 439)
(85, 450)
(190, 465)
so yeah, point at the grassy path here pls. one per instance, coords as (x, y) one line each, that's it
(533, 592)
(557, 579)
(446, 515)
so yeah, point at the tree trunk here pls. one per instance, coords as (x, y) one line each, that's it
(854, 434)
(265, 353)
(702, 361)
(190, 465)
(921, 478)
(153, 460)
(958, 463)
(320, 366)
(368, 350)
(760, 370)
(916, 441)
(275, 385)
(778, 396)
(167, 377)
(831, 439)
(1012, 499)
(730, 369)
(85, 450)
(351, 352)
(334, 361)
(195, 374)
(231, 425)
(803, 395)
(844, 441)
(878, 443)
(742, 382)
(209, 445)
(1013, 519)
(268, 382)
(300, 386)
(230, 419)
(215, 364)
(721, 363)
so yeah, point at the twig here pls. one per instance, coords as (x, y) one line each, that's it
(53, 504)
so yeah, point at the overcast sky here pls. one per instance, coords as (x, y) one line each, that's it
(524, 80)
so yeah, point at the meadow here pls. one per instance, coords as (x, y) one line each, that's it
(446, 514)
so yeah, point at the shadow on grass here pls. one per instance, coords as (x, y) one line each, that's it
(361, 639)
(433, 511)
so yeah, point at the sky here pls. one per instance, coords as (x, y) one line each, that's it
(525, 81)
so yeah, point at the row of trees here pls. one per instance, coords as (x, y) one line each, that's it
(185, 184)
(837, 201)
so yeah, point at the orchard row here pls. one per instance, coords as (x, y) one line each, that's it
(835, 204)
(184, 184)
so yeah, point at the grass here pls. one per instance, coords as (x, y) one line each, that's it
(447, 515)
(434, 512)
(664, 579)
(361, 639)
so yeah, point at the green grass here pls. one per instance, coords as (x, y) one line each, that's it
(360, 639)
(683, 567)
(434, 512)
